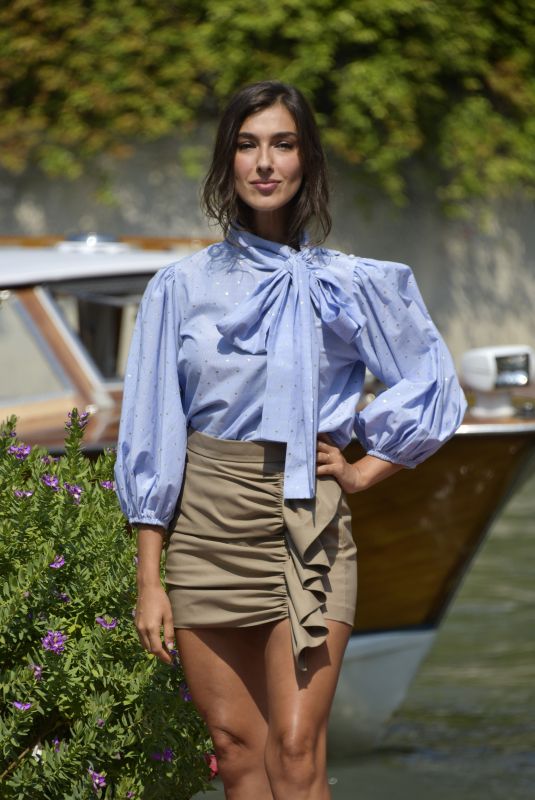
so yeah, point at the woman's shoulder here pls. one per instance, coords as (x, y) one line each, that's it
(365, 269)
(179, 273)
(195, 263)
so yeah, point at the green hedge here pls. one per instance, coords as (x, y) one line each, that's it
(85, 711)
(452, 83)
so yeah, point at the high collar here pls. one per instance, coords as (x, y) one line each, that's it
(258, 249)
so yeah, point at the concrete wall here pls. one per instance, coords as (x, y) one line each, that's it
(479, 285)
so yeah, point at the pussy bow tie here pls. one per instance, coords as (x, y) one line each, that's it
(280, 319)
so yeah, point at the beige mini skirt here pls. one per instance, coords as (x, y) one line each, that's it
(238, 554)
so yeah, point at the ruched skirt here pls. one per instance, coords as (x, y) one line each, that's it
(238, 554)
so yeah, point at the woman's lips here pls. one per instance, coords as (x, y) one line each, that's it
(265, 187)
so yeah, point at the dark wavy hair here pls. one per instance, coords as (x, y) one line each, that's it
(220, 201)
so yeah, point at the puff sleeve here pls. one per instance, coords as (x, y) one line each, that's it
(152, 435)
(423, 404)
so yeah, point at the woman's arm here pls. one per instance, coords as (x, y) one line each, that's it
(153, 609)
(423, 404)
(152, 436)
(354, 477)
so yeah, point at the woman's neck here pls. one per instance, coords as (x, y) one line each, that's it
(271, 225)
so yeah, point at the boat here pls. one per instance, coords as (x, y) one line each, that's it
(67, 310)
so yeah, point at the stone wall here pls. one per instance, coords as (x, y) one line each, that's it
(479, 284)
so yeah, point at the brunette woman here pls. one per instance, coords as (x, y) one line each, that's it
(245, 370)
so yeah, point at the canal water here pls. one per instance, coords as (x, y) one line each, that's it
(466, 730)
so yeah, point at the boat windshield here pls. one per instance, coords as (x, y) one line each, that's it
(21, 345)
(102, 312)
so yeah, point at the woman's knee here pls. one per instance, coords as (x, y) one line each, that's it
(295, 756)
(237, 751)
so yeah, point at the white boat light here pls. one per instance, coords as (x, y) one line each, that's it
(493, 373)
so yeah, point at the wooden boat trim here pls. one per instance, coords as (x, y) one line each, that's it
(143, 242)
(513, 425)
(69, 352)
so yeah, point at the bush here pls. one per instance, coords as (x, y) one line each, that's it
(450, 83)
(86, 712)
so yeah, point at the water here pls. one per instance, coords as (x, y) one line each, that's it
(466, 730)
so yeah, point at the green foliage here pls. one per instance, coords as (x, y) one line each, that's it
(452, 83)
(95, 707)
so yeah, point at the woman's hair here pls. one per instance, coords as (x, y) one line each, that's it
(220, 200)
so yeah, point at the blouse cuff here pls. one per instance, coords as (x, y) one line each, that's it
(403, 462)
(148, 519)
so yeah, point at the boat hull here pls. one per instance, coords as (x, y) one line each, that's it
(416, 536)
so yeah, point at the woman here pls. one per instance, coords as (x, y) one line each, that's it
(249, 356)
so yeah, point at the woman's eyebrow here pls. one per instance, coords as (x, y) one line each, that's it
(279, 134)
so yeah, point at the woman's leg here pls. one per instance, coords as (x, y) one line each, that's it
(299, 704)
(225, 672)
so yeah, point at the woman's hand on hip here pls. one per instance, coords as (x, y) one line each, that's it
(352, 477)
(331, 461)
(153, 612)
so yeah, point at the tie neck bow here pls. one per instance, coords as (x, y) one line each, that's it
(301, 290)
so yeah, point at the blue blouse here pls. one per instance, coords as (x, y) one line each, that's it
(253, 340)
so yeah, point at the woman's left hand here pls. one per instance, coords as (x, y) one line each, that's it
(356, 477)
(330, 461)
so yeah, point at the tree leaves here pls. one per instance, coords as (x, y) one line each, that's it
(450, 84)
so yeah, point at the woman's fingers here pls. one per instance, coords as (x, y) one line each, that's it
(328, 454)
(331, 461)
(153, 614)
(157, 648)
(168, 630)
(143, 638)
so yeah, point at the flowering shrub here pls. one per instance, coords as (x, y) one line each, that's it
(86, 712)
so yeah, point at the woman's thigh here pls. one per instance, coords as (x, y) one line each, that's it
(299, 702)
(224, 669)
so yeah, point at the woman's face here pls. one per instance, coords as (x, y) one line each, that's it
(267, 166)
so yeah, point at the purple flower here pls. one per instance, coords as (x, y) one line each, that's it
(56, 742)
(51, 481)
(167, 755)
(20, 451)
(63, 596)
(184, 692)
(100, 723)
(74, 490)
(107, 484)
(37, 671)
(49, 459)
(82, 420)
(105, 624)
(99, 781)
(22, 493)
(54, 641)
(130, 794)
(58, 562)
(21, 706)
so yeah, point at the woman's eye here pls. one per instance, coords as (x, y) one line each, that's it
(245, 145)
(285, 145)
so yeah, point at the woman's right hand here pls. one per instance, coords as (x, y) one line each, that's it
(153, 612)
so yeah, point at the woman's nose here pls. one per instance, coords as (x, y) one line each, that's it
(263, 162)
